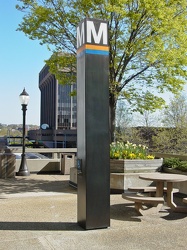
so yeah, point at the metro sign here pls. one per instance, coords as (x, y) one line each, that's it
(92, 35)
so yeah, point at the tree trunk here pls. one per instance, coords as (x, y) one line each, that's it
(112, 116)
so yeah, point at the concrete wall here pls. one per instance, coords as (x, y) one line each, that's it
(47, 165)
(41, 165)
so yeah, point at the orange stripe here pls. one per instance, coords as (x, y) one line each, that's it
(94, 47)
(81, 49)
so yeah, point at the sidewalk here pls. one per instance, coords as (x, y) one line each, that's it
(40, 212)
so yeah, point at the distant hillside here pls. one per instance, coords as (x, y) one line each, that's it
(15, 129)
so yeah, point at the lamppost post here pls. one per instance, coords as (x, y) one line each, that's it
(23, 170)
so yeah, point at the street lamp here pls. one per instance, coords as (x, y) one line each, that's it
(23, 170)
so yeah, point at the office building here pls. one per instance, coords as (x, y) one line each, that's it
(58, 112)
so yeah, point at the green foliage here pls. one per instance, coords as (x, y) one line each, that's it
(6, 131)
(64, 61)
(175, 114)
(171, 162)
(173, 139)
(183, 166)
(175, 163)
(147, 39)
(147, 43)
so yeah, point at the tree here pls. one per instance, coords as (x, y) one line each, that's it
(175, 115)
(173, 137)
(147, 44)
(147, 119)
(123, 115)
(148, 122)
(123, 121)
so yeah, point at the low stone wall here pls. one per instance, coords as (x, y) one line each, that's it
(182, 186)
(7, 165)
(41, 165)
(118, 181)
(73, 177)
(62, 164)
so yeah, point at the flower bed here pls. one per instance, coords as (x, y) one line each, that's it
(120, 150)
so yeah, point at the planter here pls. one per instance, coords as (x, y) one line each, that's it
(135, 166)
(173, 171)
(125, 173)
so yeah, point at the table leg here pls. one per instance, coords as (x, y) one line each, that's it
(170, 201)
(159, 189)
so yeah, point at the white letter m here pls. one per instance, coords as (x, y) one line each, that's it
(80, 36)
(97, 37)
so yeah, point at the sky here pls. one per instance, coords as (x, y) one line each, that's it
(21, 60)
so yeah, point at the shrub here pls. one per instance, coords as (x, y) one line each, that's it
(171, 162)
(175, 163)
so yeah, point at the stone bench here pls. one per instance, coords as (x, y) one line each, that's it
(150, 189)
(140, 200)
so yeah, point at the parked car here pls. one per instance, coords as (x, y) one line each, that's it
(31, 156)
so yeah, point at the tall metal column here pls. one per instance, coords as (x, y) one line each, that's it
(93, 124)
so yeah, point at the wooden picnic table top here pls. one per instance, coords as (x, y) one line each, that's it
(163, 177)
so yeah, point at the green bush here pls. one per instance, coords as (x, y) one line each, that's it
(175, 163)
(183, 166)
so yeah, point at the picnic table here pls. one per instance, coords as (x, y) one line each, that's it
(169, 179)
(156, 200)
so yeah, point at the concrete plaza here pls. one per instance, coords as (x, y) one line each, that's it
(40, 212)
